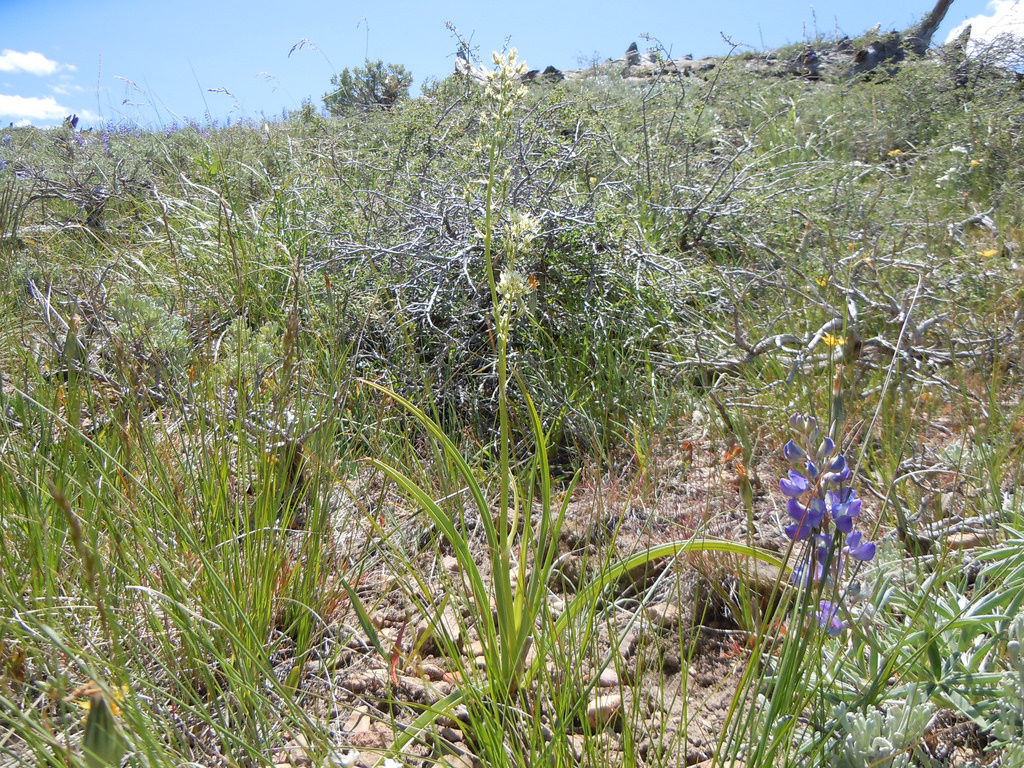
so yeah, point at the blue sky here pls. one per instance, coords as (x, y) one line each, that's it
(153, 63)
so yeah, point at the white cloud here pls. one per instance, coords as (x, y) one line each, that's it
(32, 62)
(45, 110)
(66, 89)
(31, 108)
(1007, 16)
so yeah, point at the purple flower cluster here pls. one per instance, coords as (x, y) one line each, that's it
(828, 617)
(824, 509)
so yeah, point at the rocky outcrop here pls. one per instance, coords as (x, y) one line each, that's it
(648, 64)
(632, 64)
(549, 75)
(813, 62)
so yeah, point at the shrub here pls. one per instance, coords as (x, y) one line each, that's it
(377, 85)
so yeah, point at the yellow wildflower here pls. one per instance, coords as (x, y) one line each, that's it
(895, 152)
(988, 253)
(833, 341)
(102, 743)
(91, 690)
(822, 281)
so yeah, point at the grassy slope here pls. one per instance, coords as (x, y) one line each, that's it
(180, 377)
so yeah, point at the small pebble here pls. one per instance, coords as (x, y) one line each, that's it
(604, 710)
(664, 615)
(430, 671)
(452, 735)
(454, 761)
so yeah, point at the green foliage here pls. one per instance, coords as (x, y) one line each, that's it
(1009, 716)
(228, 345)
(148, 339)
(886, 738)
(373, 86)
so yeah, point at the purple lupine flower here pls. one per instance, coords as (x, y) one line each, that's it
(794, 453)
(843, 505)
(828, 617)
(798, 531)
(825, 450)
(838, 464)
(824, 542)
(857, 548)
(795, 485)
(805, 425)
(808, 517)
(804, 577)
(836, 471)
